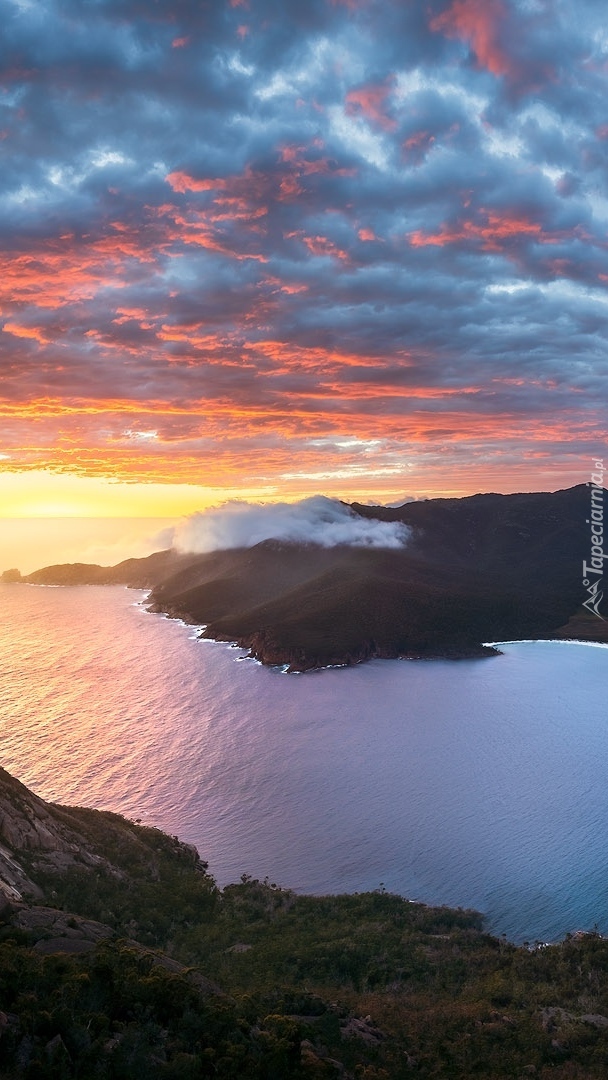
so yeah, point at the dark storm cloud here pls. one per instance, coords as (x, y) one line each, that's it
(327, 211)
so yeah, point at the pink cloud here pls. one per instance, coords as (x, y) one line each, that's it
(319, 245)
(322, 245)
(417, 144)
(370, 102)
(34, 333)
(481, 23)
(494, 229)
(182, 182)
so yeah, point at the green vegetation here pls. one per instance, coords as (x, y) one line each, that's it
(255, 981)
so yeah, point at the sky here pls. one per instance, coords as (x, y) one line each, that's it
(263, 249)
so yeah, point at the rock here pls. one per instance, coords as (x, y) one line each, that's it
(57, 1052)
(57, 931)
(553, 1017)
(30, 826)
(14, 882)
(24, 1052)
(595, 1019)
(8, 577)
(51, 946)
(361, 1029)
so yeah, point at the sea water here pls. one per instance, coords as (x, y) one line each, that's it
(475, 783)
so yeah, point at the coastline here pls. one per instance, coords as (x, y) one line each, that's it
(298, 661)
(552, 641)
(292, 663)
(260, 647)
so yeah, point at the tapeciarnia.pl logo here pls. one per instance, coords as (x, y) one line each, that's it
(593, 571)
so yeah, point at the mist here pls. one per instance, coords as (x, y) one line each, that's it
(316, 520)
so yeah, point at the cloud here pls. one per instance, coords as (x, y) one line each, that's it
(370, 102)
(361, 220)
(480, 22)
(316, 520)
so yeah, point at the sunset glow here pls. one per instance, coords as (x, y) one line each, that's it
(259, 252)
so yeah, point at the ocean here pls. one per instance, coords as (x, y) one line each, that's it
(476, 783)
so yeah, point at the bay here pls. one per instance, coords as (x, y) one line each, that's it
(476, 783)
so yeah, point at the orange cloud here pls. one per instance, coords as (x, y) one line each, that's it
(34, 332)
(138, 315)
(494, 230)
(303, 418)
(299, 166)
(182, 182)
(237, 200)
(481, 23)
(321, 245)
(296, 157)
(249, 194)
(85, 447)
(291, 288)
(68, 270)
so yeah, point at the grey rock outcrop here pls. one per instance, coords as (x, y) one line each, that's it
(31, 834)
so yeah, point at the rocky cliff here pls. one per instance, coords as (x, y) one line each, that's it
(34, 837)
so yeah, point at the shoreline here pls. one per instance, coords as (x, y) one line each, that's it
(551, 641)
(299, 660)
(485, 650)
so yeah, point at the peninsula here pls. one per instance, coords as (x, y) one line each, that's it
(485, 568)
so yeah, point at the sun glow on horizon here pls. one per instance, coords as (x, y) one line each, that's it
(45, 494)
(48, 517)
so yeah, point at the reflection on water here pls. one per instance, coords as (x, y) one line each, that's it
(477, 783)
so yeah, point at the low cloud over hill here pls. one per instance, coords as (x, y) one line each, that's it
(318, 520)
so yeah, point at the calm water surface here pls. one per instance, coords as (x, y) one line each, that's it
(476, 783)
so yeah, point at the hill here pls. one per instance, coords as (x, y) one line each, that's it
(119, 956)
